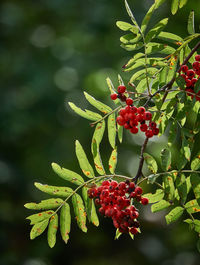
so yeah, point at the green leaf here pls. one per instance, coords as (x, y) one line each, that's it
(120, 132)
(38, 217)
(134, 59)
(169, 186)
(155, 62)
(90, 207)
(186, 148)
(97, 158)
(174, 214)
(142, 73)
(126, 27)
(112, 129)
(159, 206)
(87, 115)
(190, 26)
(98, 132)
(157, 196)
(132, 47)
(192, 206)
(170, 37)
(151, 163)
(154, 47)
(44, 204)
(174, 6)
(131, 14)
(38, 228)
(65, 222)
(79, 211)
(113, 161)
(117, 234)
(182, 3)
(195, 164)
(83, 161)
(97, 104)
(180, 82)
(130, 38)
(156, 30)
(195, 182)
(52, 230)
(166, 159)
(181, 186)
(149, 14)
(67, 174)
(54, 190)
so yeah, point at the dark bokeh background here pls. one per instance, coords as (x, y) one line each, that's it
(50, 51)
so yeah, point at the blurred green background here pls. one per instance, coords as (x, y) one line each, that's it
(50, 52)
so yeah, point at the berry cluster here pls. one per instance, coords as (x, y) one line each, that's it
(131, 116)
(116, 201)
(191, 76)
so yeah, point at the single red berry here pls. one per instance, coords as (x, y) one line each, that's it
(133, 123)
(149, 133)
(121, 89)
(138, 190)
(190, 73)
(184, 68)
(113, 96)
(105, 183)
(141, 110)
(122, 185)
(134, 214)
(140, 118)
(197, 57)
(147, 116)
(134, 130)
(122, 97)
(193, 81)
(188, 82)
(184, 76)
(152, 124)
(122, 112)
(129, 101)
(190, 92)
(133, 109)
(132, 195)
(133, 230)
(196, 65)
(198, 72)
(132, 185)
(120, 120)
(127, 126)
(155, 131)
(143, 127)
(145, 201)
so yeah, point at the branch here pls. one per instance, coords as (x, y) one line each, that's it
(139, 172)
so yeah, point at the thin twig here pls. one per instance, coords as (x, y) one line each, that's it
(139, 172)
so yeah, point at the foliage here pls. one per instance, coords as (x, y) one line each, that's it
(156, 83)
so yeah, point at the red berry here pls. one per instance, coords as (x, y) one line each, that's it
(133, 231)
(155, 131)
(152, 124)
(145, 201)
(141, 110)
(129, 101)
(134, 130)
(127, 126)
(188, 82)
(143, 127)
(184, 76)
(184, 68)
(122, 112)
(147, 116)
(122, 97)
(140, 118)
(113, 96)
(193, 81)
(190, 73)
(121, 89)
(133, 123)
(197, 57)
(149, 133)
(120, 120)
(196, 65)
(191, 92)
(105, 183)
(133, 109)
(138, 190)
